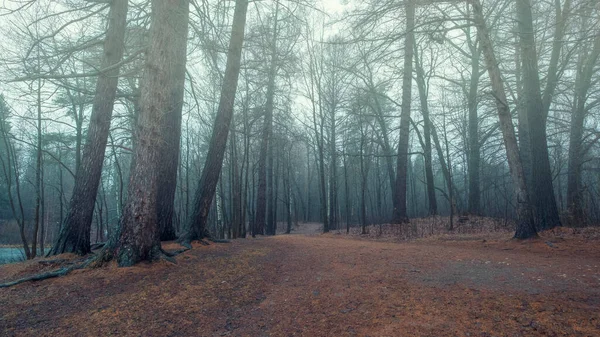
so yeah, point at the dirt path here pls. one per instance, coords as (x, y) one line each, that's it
(300, 285)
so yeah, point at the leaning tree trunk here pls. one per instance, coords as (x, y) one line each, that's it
(546, 211)
(139, 237)
(74, 236)
(525, 224)
(169, 146)
(205, 192)
(399, 215)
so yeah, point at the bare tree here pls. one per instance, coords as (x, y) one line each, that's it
(74, 235)
(196, 227)
(525, 223)
(400, 215)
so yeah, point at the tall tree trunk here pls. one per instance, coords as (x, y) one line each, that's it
(273, 193)
(74, 236)
(400, 215)
(169, 146)
(38, 171)
(474, 145)
(287, 186)
(426, 134)
(523, 123)
(267, 134)
(196, 227)
(9, 167)
(322, 182)
(525, 223)
(545, 209)
(585, 71)
(236, 189)
(363, 186)
(333, 193)
(346, 194)
(139, 237)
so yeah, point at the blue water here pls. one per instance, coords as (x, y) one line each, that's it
(10, 255)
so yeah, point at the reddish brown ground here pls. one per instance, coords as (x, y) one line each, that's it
(324, 285)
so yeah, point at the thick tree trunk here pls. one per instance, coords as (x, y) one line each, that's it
(197, 225)
(139, 237)
(525, 224)
(426, 135)
(545, 209)
(169, 144)
(74, 236)
(399, 214)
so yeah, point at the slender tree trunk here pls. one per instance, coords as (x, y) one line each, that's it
(197, 225)
(363, 187)
(9, 167)
(333, 193)
(42, 209)
(346, 195)
(545, 209)
(426, 135)
(236, 189)
(74, 236)
(266, 141)
(271, 189)
(400, 215)
(274, 195)
(322, 183)
(474, 146)
(38, 172)
(525, 223)
(139, 237)
(290, 198)
(585, 71)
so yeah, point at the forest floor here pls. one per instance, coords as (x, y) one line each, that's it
(324, 285)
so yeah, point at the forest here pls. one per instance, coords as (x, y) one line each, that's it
(168, 130)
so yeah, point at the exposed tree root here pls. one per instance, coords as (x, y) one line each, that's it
(95, 261)
(52, 274)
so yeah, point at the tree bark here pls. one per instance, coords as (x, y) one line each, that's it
(545, 209)
(426, 135)
(169, 145)
(74, 236)
(525, 223)
(474, 145)
(262, 196)
(399, 214)
(585, 71)
(196, 227)
(139, 237)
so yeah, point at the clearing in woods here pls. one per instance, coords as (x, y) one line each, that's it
(322, 285)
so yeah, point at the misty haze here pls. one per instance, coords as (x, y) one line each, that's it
(299, 168)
